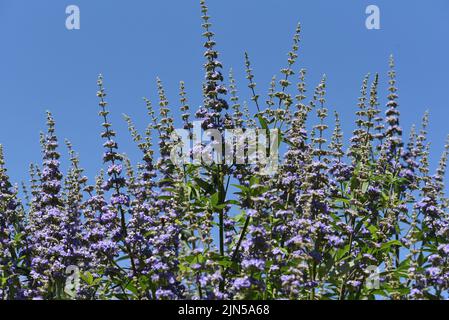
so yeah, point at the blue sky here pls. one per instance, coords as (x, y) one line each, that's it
(44, 66)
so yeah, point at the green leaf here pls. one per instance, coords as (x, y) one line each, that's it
(132, 288)
(254, 180)
(262, 122)
(214, 199)
(391, 243)
(87, 277)
(243, 188)
(365, 186)
(204, 185)
(344, 200)
(342, 252)
(122, 258)
(241, 217)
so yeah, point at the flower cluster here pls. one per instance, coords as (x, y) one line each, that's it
(364, 220)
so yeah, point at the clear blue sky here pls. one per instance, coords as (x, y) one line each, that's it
(45, 66)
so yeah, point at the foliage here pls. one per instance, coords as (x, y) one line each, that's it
(314, 229)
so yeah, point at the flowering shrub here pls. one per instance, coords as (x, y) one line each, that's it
(363, 223)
